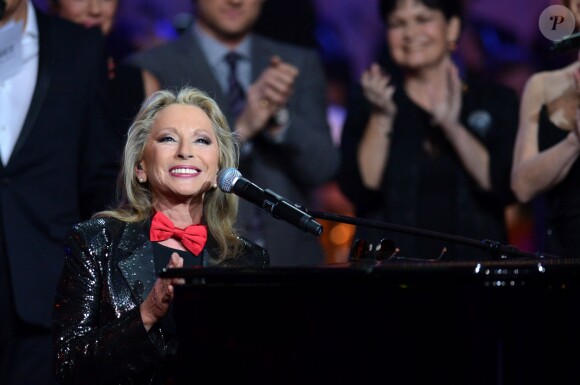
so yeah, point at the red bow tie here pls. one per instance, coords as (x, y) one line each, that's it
(192, 237)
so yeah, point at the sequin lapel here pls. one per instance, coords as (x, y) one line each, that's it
(138, 265)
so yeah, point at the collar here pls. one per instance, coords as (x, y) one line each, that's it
(31, 28)
(135, 235)
(215, 51)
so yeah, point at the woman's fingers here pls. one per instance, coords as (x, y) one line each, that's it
(175, 262)
(377, 88)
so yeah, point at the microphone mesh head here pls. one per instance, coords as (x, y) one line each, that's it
(226, 179)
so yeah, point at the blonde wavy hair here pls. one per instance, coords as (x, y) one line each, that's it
(219, 209)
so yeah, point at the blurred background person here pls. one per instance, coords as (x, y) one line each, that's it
(423, 148)
(111, 320)
(274, 95)
(90, 13)
(57, 168)
(128, 84)
(546, 151)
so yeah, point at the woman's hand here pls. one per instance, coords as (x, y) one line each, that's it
(157, 302)
(373, 149)
(446, 112)
(378, 91)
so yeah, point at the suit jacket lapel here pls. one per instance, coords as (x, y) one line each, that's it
(138, 267)
(42, 81)
(203, 76)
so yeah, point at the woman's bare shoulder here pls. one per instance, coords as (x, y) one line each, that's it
(551, 85)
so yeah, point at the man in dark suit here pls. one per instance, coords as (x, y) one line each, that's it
(57, 166)
(285, 138)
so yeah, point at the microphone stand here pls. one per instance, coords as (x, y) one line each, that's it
(496, 249)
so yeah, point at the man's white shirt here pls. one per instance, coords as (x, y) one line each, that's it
(16, 91)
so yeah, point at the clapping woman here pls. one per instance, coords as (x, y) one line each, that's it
(423, 147)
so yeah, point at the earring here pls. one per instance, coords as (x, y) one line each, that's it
(214, 185)
(141, 180)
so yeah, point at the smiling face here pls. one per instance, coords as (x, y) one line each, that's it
(90, 13)
(418, 36)
(181, 157)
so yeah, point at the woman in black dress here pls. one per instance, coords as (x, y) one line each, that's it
(546, 153)
(423, 147)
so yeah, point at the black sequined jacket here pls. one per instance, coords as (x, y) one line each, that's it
(99, 337)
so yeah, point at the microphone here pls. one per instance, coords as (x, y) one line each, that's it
(230, 180)
(566, 44)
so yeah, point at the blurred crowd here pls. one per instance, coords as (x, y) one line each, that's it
(349, 35)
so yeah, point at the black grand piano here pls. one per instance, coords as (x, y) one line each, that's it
(510, 321)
